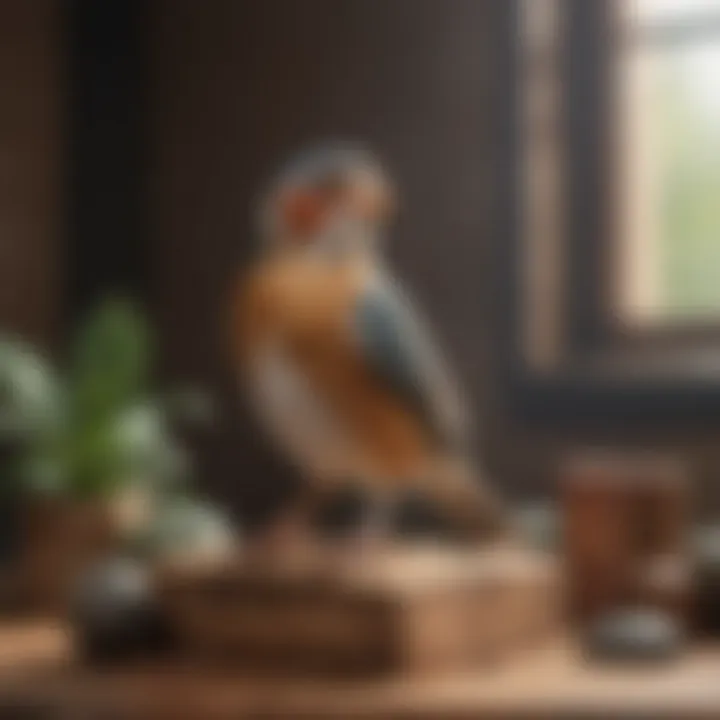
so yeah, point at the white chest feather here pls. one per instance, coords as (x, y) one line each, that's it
(297, 417)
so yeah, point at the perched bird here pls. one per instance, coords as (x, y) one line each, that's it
(343, 372)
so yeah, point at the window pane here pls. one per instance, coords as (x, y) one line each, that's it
(669, 10)
(671, 180)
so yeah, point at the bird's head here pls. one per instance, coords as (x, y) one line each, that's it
(331, 200)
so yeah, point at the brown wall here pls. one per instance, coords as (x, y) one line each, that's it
(31, 167)
(235, 86)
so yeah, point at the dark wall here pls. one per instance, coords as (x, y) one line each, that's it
(105, 52)
(32, 167)
(236, 85)
(232, 87)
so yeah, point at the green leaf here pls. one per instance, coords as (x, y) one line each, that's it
(101, 429)
(30, 391)
(146, 447)
(111, 360)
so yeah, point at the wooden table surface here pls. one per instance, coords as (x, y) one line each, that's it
(37, 672)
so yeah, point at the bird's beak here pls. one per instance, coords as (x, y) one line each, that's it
(371, 198)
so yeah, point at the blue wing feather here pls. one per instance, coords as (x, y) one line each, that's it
(401, 352)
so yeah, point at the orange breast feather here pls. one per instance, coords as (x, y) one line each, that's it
(308, 308)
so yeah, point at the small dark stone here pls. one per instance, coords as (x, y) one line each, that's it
(115, 615)
(634, 634)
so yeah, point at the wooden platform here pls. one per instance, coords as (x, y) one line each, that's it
(412, 610)
(37, 674)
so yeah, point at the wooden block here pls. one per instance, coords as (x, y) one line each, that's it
(413, 611)
(620, 513)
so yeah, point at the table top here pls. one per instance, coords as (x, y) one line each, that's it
(37, 671)
(396, 572)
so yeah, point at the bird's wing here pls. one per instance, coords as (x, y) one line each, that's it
(400, 351)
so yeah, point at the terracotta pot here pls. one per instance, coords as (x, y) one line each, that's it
(10, 505)
(62, 537)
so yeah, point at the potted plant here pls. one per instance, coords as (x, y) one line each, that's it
(92, 443)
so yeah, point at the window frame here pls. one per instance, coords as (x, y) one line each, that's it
(588, 385)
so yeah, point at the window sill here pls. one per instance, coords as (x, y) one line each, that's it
(639, 387)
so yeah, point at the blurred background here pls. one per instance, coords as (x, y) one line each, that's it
(137, 135)
(558, 165)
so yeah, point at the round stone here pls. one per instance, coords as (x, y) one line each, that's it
(635, 634)
(114, 613)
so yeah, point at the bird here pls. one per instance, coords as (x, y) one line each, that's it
(341, 368)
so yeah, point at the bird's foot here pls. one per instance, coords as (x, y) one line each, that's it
(284, 545)
(360, 549)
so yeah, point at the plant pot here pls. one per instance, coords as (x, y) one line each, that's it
(11, 528)
(62, 538)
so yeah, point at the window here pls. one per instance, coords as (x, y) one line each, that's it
(616, 257)
(669, 78)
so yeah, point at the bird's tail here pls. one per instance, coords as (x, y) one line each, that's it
(461, 493)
